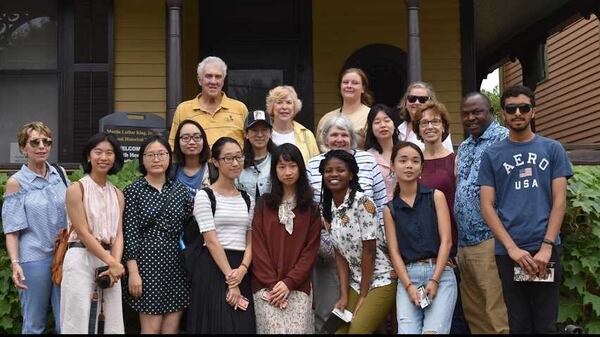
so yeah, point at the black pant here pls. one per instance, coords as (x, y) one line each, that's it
(532, 306)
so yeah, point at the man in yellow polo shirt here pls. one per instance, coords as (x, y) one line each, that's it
(218, 114)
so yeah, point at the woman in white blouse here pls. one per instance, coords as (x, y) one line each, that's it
(416, 95)
(95, 209)
(221, 299)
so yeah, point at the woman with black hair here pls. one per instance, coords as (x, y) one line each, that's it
(155, 210)
(381, 137)
(364, 270)
(255, 179)
(221, 298)
(190, 156)
(285, 240)
(417, 228)
(95, 208)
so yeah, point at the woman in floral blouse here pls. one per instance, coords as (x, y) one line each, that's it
(366, 286)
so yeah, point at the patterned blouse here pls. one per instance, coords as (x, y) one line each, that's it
(350, 226)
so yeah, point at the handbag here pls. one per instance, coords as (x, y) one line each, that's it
(60, 250)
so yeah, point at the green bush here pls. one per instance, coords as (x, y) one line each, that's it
(10, 310)
(580, 290)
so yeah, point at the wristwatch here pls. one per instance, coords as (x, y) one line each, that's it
(549, 242)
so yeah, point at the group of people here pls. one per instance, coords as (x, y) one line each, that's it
(247, 223)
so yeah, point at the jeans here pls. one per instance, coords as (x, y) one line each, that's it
(39, 293)
(532, 306)
(437, 317)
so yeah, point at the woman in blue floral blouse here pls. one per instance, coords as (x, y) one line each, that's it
(366, 286)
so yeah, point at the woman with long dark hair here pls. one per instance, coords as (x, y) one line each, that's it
(255, 179)
(155, 210)
(285, 241)
(364, 270)
(382, 135)
(190, 156)
(221, 300)
(417, 228)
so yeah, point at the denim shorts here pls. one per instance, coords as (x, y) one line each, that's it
(437, 317)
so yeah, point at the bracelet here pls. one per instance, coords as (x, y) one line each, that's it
(407, 286)
(549, 242)
(434, 280)
(14, 261)
(243, 264)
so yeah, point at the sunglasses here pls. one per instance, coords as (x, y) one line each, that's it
(413, 98)
(35, 142)
(512, 108)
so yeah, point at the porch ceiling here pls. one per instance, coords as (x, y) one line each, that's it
(498, 22)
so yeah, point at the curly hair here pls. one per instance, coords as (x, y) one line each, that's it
(326, 195)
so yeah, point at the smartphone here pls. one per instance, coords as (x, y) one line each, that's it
(345, 315)
(243, 303)
(266, 296)
(424, 301)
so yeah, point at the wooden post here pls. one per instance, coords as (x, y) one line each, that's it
(174, 90)
(414, 41)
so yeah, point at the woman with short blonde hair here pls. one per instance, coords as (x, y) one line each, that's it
(33, 213)
(283, 105)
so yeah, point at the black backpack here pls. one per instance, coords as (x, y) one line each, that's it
(193, 239)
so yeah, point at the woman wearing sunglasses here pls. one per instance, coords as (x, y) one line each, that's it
(416, 95)
(32, 215)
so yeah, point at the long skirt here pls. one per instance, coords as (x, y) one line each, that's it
(296, 318)
(78, 285)
(209, 312)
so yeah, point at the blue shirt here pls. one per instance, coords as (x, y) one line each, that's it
(37, 211)
(417, 226)
(192, 183)
(522, 174)
(471, 228)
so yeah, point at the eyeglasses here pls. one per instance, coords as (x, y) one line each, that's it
(229, 159)
(186, 138)
(413, 98)
(159, 155)
(433, 122)
(35, 142)
(512, 108)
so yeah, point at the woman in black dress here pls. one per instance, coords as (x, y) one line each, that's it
(221, 300)
(155, 210)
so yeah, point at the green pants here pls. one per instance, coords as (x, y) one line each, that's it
(375, 308)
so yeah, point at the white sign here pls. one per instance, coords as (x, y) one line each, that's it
(16, 157)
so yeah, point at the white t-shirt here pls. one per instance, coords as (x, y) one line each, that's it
(282, 138)
(412, 137)
(231, 220)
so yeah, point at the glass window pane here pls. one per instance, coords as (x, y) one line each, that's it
(28, 34)
(252, 85)
(26, 98)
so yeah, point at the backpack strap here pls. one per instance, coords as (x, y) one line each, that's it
(211, 197)
(61, 173)
(246, 198)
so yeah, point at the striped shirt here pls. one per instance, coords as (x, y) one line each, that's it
(37, 212)
(232, 219)
(369, 178)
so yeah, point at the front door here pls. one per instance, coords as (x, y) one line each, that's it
(265, 44)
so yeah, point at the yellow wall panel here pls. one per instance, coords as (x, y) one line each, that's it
(136, 82)
(337, 34)
(140, 56)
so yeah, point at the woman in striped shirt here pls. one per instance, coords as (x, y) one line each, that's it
(221, 300)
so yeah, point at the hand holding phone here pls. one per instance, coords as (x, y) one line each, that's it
(424, 301)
